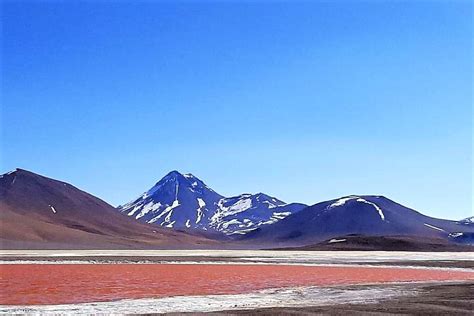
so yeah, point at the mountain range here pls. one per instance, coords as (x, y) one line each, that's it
(181, 211)
(183, 201)
(39, 212)
(357, 214)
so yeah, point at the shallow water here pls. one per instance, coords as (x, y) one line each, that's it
(33, 284)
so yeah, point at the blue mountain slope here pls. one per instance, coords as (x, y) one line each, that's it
(183, 201)
(363, 215)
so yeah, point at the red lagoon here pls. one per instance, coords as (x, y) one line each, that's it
(32, 284)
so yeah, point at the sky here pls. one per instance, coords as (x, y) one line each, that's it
(305, 101)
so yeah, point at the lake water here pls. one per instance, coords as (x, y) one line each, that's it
(43, 284)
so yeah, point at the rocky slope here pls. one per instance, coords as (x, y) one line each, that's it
(38, 212)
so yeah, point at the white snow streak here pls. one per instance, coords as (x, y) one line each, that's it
(176, 191)
(382, 216)
(434, 227)
(170, 225)
(147, 208)
(135, 209)
(200, 209)
(342, 201)
(336, 240)
(168, 211)
(281, 215)
(231, 222)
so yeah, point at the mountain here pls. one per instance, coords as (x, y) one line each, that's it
(183, 201)
(362, 215)
(176, 201)
(246, 212)
(468, 221)
(38, 212)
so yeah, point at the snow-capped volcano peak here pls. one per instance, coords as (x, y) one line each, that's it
(176, 200)
(175, 181)
(184, 201)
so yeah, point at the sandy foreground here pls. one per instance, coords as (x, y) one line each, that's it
(426, 297)
(411, 299)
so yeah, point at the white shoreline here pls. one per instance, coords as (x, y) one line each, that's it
(261, 255)
(277, 297)
(238, 257)
(342, 265)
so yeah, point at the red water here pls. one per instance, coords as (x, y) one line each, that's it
(29, 284)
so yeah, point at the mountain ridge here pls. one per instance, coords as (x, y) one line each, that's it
(184, 201)
(40, 212)
(354, 214)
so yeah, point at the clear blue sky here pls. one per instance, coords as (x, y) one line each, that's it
(303, 101)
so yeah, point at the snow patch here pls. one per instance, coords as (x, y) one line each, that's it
(170, 225)
(150, 207)
(342, 201)
(240, 206)
(434, 227)
(336, 240)
(280, 215)
(469, 220)
(243, 204)
(176, 191)
(270, 205)
(379, 210)
(167, 211)
(242, 231)
(231, 222)
(200, 209)
(135, 209)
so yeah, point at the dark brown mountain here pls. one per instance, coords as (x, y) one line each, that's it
(38, 212)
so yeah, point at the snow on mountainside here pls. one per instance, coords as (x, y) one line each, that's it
(176, 201)
(468, 221)
(363, 215)
(37, 212)
(246, 212)
(182, 201)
